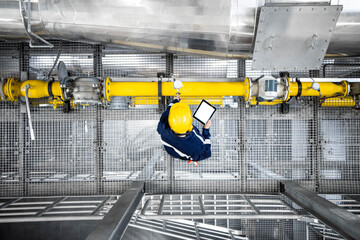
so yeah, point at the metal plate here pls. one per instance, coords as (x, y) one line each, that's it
(293, 38)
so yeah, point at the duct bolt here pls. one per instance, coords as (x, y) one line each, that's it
(12, 83)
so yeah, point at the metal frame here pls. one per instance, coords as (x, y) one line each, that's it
(184, 229)
(40, 209)
(27, 26)
(115, 222)
(342, 221)
(200, 207)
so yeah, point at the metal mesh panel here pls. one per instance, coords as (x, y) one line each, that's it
(126, 63)
(78, 58)
(257, 73)
(347, 67)
(62, 154)
(339, 156)
(9, 60)
(132, 150)
(11, 164)
(198, 67)
(278, 146)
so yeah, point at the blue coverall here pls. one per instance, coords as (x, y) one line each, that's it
(194, 146)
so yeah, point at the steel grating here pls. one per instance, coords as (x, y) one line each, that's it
(101, 151)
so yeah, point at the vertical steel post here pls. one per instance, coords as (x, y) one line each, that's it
(241, 73)
(98, 151)
(98, 124)
(97, 60)
(316, 144)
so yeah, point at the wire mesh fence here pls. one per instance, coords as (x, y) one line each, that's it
(93, 150)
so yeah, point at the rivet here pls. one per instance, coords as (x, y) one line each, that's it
(12, 83)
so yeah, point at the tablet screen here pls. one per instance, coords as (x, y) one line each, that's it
(204, 112)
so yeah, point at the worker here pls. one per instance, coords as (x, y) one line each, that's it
(180, 138)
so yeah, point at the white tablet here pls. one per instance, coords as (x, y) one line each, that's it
(204, 112)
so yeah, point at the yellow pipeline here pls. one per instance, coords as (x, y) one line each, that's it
(13, 89)
(199, 89)
(339, 102)
(327, 89)
(267, 103)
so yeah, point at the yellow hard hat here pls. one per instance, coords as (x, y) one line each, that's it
(180, 118)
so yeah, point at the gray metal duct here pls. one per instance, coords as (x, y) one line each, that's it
(223, 28)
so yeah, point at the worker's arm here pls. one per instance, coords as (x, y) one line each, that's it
(206, 144)
(164, 117)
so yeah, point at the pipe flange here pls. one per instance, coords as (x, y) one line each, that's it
(10, 87)
(106, 90)
(346, 87)
(247, 95)
(286, 96)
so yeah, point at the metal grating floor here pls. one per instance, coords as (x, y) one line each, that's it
(95, 151)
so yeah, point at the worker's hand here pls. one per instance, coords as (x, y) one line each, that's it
(177, 97)
(207, 125)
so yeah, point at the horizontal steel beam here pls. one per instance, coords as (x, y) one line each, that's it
(115, 222)
(340, 220)
(221, 216)
(24, 219)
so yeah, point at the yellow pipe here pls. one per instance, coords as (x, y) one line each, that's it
(13, 89)
(267, 103)
(38, 89)
(199, 89)
(56, 89)
(339, 102)
(327, 89)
